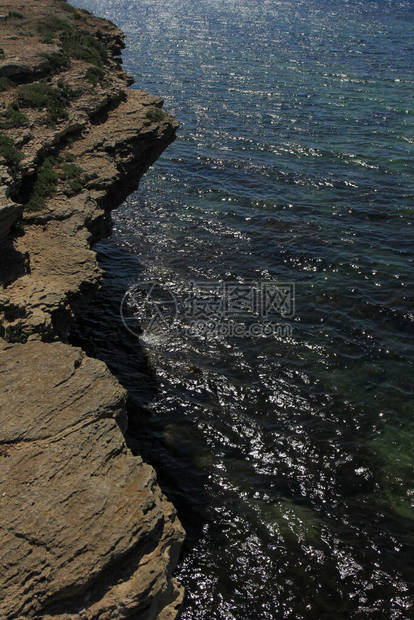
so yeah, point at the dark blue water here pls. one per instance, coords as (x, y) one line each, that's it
(290, 459)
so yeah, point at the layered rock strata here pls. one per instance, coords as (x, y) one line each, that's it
(85, 530)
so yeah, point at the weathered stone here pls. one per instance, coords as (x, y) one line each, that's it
(85, 532)
(113, 156)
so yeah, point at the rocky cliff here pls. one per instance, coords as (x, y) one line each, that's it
(85, 530)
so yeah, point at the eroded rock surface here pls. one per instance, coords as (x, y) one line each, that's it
(110, 134)
(58, 238)
(85, 531)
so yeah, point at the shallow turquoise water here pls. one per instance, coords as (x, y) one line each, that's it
(290, 460)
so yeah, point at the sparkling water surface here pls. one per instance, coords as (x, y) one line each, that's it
(290, 460)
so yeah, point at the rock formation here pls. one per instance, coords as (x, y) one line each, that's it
(85, 530)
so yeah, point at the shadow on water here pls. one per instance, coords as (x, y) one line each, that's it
(100, 331)
(176, 453)
(290, 461)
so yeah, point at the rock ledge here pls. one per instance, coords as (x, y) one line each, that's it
(85, 530)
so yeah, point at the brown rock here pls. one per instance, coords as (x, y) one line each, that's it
(85, 530)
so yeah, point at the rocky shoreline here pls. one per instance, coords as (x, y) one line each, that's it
(85, 530)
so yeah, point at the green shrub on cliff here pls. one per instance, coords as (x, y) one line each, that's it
(41, 95)
(70, 9)
(44, 186)
(73, 178)
(15, 15)
(75, 43)
(53, 170)
(5, 84)
(155, 114)
(48, 36)
(57, 61)
(13, 117)
(1, 53)
(83, 46)
(50, 28)
(14, 333)
(94, 75)
(10, 153)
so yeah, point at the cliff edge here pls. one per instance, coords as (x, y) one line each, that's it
(85, 530)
